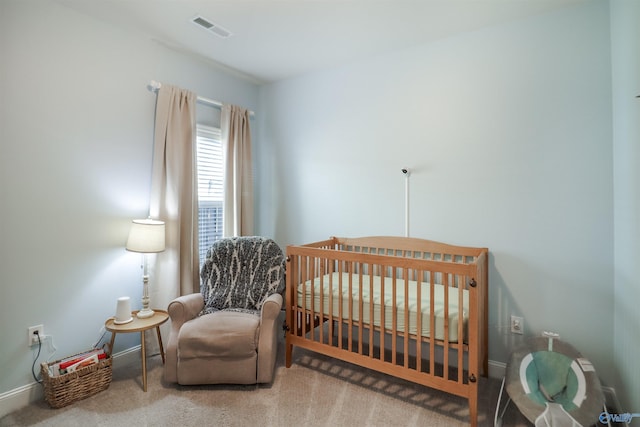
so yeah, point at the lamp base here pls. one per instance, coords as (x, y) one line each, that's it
(145, 313)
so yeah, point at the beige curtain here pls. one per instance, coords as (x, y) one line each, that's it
(174, 198)
(238, 179)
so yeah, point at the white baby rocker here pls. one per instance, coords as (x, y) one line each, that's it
(552, 385)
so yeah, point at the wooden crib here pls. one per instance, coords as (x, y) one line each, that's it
(424, 308)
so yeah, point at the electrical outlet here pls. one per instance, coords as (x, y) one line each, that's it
(517, 325)
(33, 338)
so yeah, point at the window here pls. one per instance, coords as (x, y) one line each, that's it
(210, 192)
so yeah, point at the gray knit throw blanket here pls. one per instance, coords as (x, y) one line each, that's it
(240, 273)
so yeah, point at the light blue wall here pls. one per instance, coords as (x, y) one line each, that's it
(508, 130)
(76, 130)
(508, 133)
(625, 39)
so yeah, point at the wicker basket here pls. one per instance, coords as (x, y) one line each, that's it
(68, 388)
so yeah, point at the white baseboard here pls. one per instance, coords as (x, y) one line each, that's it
(20, 397)
(497, 369)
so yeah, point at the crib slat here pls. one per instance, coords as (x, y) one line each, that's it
(313, 300)
(304, 279)
(340, 307)
(371, 309)
(350, 323)
(329, 270)
(405, 274)
(394, 321)
(318, 314)
(445, 284)
(383, 325)
(461, 286)
(432, 324)
(333, 322)
(419, 323)
(360, 309)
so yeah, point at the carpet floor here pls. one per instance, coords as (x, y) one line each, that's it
(315, 391)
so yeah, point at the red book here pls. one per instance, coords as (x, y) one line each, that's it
(101, 355)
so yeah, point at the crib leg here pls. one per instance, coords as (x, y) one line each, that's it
(288, 349)
(473, 408)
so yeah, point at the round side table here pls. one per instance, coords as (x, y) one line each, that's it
(139, 325)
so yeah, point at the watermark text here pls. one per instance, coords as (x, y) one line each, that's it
(606, 418)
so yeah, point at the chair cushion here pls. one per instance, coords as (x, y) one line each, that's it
(241, 272)
(221, 334)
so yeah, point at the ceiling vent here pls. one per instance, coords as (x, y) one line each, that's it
(211, 27)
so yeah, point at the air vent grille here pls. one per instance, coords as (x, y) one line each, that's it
(202, 22)
(211, 27)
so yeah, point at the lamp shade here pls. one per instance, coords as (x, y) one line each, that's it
(146, 236)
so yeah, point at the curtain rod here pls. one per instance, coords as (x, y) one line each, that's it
(154, 86)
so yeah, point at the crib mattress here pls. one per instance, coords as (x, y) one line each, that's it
(335, 287)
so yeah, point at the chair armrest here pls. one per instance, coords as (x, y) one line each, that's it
(181, 310)
(185, 308)
(271, 307)
(268, 338)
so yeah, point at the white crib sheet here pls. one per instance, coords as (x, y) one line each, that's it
(331, 286)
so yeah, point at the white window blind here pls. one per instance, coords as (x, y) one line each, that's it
(210, 192)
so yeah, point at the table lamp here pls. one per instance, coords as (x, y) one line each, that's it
(146, 236)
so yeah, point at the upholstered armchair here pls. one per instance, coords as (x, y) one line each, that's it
(227, 333)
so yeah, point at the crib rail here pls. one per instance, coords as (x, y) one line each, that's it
(411, 308)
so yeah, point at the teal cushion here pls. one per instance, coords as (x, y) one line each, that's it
(551, 379)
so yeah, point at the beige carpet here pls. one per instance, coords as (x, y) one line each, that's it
(315, 391)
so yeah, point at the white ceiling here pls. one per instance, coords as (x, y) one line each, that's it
(278, 39)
